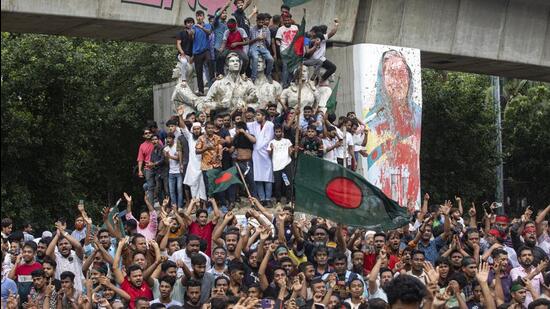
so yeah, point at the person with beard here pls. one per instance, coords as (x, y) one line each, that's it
(41, 292)
(236, 276)
(423, 240)
(231, 239)
(241, 150)
(133, 285)
(344, 277)
(443, 266)
(417, 269)
(263, 131)
(68, 295)
(529, 234)
(519, 296)
(25, 264)
(144, 163)
(528, 271)
(68, 256)
(357, 262)
(219, 268)
(228, 195)
(199, 274)
(192, 295)
(379, 278)
(467, 276)
(209, 145)
(201, 226)
(379, 244)
(252, 265)
(41, 248)
(184, 255)
(168, 269)
(500, 274)
(193, 174)
(166, 288)
(471, 243)
(147, 223)
(495, 242)
(137, 246)
(49, 266)
(106, 248)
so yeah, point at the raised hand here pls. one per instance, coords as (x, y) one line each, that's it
(426, 196)
(128, 198)
(272, 248)
(483, 272)
(472, 212)
(433, 274)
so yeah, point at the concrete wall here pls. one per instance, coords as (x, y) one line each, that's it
(489, 36)
(162, 105)
(149, 20)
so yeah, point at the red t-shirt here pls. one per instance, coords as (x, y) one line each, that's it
(204, 232)
(143, 291)
(144, 152)
(235, 36)
(370, 259)
(24, 278)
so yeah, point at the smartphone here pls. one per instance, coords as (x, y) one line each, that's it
(266, 303)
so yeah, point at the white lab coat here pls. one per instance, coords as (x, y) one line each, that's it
(193, 176)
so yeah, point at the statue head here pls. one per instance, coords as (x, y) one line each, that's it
(261, 64)
(305, 73)
(233, 62)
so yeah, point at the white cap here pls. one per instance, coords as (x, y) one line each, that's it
(46, 234)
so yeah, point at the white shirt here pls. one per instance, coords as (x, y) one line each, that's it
(182, 255)
(320, 52)
(70, 263)
(286, 35)
(535, 282)
(342, 150)
(358, 141)
(328, 143)
(280, 156)
(174, 164)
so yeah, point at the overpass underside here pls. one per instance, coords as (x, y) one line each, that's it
(497, 37)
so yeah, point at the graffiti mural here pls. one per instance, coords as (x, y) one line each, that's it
(210, 6)
(161, 4)
(391, 106)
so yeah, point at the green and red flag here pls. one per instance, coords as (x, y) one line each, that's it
(331, 102)
(331, 191)
(294, 54)
(219, 180)
(293, 3)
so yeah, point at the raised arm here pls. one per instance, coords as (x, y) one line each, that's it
(106, 282)
(218, 230)
(373, 275)
(472, 212)
(117, 272)
(334, 29)
(50, 251)
(340, 241)
(264, 283)
(281, 228)
(540, 218)
(217, 214)
(113, 230)
(243, 239)
(158, 260)
(258, 205)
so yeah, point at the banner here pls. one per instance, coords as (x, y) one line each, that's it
(388, 93)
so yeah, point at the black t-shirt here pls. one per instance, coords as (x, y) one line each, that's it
(186, 42)
(242, 142)
(242, 20)
(226, 156)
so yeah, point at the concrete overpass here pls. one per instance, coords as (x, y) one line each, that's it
(499, 37)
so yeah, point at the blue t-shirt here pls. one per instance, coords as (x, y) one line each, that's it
(201, 40)
(7, 286)
(219, 30)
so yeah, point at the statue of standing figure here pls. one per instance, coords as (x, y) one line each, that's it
(233, 90)
(266, 90)
(183, 94)
(309, 94)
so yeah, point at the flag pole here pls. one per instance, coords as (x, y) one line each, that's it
(242, 178)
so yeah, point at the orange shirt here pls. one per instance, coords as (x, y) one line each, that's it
(211, 158)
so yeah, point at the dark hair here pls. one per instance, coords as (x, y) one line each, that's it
(168, 279)
(198, 259)
(171, 122)
(67, 274)
(50, 261)
(38, 273)
(307, 107)
(416, 251)
(285, 259)
(498, 252)
(138, 299)
(377, 303)
(286, 7)
(443, 260)
(200, 211)
(192, 283)
(459, 278)
(188, 20)
(159, 306)
(167, 264)
(385, 269)
(132, 268)
(467, 261)
(277, 126)
(377, 234)
(302, 267)
(539, 302)
(311, 127)
(235, 115)
(45, 240)
(523, 248)
(276, 19)
(222, 277)
(170, 135)
(405, 288)
(31, 244)
(136, 236)
(6, 222)
(262, 111)
(339, 256)
(231, 21)
(235, 266)
(199, 13)
(192, 237)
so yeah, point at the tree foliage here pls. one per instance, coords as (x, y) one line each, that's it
(458, 137)
(526, 144)
(72, 113)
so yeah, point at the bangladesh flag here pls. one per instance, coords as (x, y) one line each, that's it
(294, 54)
(331, 102)
(293, 3)
(219, 181)
(331, 191)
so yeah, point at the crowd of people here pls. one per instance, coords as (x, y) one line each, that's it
(245, 247)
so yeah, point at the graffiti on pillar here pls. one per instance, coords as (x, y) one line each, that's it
(210, 6)
(160, 4)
